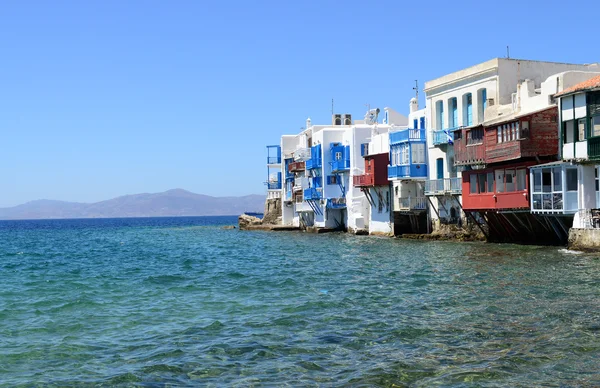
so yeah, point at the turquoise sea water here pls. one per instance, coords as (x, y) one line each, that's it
(183, 302)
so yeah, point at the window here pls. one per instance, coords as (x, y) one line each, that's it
(595, 121)
(581, 129)
(537, 181)
(521, 179)
(499, 133)
(571, 179)
(490, 182)
(509, 176)
(569, 131)
(453, 106)
(500, 181)
(418, 153)
(557, 180)
(473, 183)
(513, 131)
(524, 129)
(517, 129)
(415, 123)
(439, 106)
(475, 136)
(482, 185)
(547, 189)
(332, 180)
(338, 156)
(468, 109)
(422, 123)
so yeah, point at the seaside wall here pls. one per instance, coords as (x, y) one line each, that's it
(584, 239)
(273, 213)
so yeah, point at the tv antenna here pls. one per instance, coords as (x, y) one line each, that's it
(416, 89)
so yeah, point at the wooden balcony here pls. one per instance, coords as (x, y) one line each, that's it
(296, 167)
(365, 180)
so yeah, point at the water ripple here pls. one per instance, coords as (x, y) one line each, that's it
(182, 302)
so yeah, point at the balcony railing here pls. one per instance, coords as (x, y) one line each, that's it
(311, 164)
(405, 135)
(340, 165)
(443, 186)
(313, 194)
(443, 136)
(593, 144)
(296, 167)
(273, 159)
(301, 183)
(363, 180)
(273, 185)
(336, 203)
(302, 154)
(407, 171)
(412, 203)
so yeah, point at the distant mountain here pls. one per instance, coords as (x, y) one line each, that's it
(177, 202)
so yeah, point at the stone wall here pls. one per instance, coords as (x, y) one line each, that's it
(584, 239)
(273, 213)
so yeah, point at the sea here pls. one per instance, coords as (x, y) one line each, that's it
(156, 302)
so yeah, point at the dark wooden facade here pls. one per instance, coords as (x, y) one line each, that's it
(375, 171)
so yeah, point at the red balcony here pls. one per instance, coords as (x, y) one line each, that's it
(296, 166)
(364, 180)
(469, 147)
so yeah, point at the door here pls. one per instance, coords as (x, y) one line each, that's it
(440, 168)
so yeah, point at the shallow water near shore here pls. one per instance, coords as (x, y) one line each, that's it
(183, 301)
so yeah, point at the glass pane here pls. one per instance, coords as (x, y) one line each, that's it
(510, 181)
(499, 133)
(513, 131)
(521, 179)
(557, 179)
(569, 130)
(581, 125)
(490, 182)
(537, 201)
(473, 183)
(547, 201)
(482, 184)
(557, 202)
(500, 181)
(596, 126)
(571, 179)
(537, 181)
(518, 130)
(546, 180)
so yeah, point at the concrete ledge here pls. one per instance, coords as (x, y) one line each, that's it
(275, 228)
(584, 239)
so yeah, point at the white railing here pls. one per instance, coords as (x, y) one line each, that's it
(300, 183)
(412, 203)
(302, 154)
(587, 219)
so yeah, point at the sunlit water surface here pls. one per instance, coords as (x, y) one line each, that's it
(182, 301)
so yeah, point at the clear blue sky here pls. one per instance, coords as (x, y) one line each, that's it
(105, 98)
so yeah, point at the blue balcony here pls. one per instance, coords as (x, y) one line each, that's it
(340, 156)
(312, 194)
(315, 160)
(443, 136)
(406, 135)
(273, 154)
(340, 165)
(407, 171)
(336, 203)
(273, 185)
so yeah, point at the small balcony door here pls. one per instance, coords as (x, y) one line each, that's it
(440, 168)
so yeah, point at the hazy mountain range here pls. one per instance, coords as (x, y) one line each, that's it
(177, 202)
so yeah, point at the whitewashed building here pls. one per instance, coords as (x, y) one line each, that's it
(459, 100)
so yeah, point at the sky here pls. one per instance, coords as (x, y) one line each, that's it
(105, 98)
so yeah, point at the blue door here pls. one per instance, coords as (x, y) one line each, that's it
(440, 168)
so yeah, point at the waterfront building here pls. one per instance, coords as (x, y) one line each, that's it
(457, 103)
(570, 187)
(407, 172)
(320, 167)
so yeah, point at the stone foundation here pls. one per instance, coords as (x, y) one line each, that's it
(273, 213)
(584, 239)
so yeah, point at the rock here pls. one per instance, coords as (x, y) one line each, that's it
(228, 227)
(245, 220)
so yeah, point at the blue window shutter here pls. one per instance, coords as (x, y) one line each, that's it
(422, 122)
(328, 179)
(415, 122)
